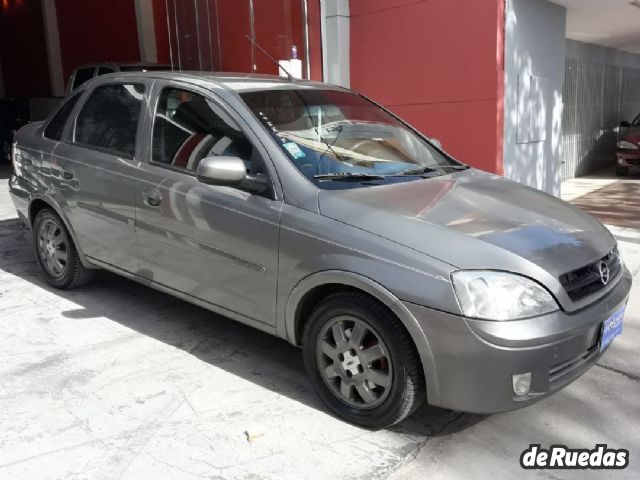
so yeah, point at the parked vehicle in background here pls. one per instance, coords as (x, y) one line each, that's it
(14, 113)
(84, 73)
(628, 151)
(312, 213)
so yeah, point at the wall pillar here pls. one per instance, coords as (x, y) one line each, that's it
(56, 77)
(1, 80)
(534, 78)
(334, 19)
(146, 31)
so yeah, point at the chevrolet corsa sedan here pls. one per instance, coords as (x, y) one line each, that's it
(314, 214)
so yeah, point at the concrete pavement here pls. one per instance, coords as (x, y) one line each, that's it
(115, 380)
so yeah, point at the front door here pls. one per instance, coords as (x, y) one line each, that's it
(217, 244)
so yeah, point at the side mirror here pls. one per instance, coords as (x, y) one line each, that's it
(229, 171)
(625, 124)
(436, 142)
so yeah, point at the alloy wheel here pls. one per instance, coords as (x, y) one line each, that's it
(52, 248)
(354, 362)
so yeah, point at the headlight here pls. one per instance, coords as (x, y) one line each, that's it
(627, 145)
(493, 295)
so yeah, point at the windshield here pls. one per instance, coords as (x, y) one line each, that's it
(331, 135)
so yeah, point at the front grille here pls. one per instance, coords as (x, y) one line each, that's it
(585, 281)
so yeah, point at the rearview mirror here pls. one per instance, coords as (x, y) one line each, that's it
(625, 124)
(229, 171)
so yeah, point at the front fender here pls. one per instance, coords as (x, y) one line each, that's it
(287, 324)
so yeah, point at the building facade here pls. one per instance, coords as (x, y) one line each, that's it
(530, 89)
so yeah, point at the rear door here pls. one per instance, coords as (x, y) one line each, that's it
(217, 244)
(98, 167)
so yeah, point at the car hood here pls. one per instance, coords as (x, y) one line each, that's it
(632, 134)
(475, 220)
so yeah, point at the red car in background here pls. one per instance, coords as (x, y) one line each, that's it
(628, 151)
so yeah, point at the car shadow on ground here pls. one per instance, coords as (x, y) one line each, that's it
(243, 351)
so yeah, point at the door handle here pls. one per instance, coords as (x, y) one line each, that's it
(152, 198)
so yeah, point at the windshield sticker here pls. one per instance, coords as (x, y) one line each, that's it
(294, 150)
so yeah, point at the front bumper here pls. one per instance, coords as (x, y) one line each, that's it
(474, 360)
(628, 158)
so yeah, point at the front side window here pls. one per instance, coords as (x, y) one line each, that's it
(83, 75)
(333, 135)
(189, 127)
(56, 125)
(109, 119)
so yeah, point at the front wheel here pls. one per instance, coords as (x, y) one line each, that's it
(362, 361)
(56, 254)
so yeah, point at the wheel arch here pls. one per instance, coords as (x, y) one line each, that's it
(39, 202)
(315, 286)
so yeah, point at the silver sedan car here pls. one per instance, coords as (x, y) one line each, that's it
(312, 213)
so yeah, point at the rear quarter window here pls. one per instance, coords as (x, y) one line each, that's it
(55, 127)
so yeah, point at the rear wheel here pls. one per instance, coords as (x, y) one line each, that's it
(56, 254)
(622, 171)
(362, 361)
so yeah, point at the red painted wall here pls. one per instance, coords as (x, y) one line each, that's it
(97, 31)
(278, 25)
(439, 65)
(23, 50)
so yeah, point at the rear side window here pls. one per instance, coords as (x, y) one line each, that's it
(108, 120)
(83, 75)
(56, 125)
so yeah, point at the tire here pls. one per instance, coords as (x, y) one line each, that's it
(56, 253)
(342, 366)
(622, 171)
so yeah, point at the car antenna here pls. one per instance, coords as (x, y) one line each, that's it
(289, 76)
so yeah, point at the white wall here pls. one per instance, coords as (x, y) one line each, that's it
(534, 75)
(335, 41)
(588, 52)
(601, 89)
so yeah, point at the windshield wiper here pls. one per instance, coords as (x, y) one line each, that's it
(346, 176)
(421, 170)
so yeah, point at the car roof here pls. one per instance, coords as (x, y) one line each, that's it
(240, 82)
(121, 64)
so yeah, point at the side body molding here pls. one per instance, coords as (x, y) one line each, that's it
(287, 326)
